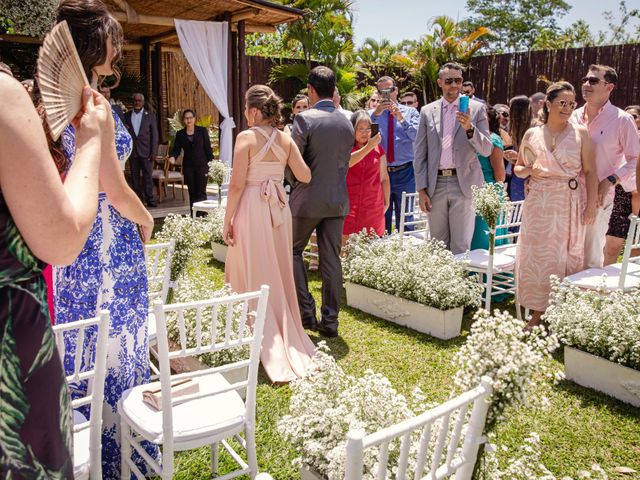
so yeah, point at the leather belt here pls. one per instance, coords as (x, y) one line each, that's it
(399, 167)
(447, 172)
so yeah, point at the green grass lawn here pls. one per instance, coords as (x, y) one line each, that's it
(579, 428)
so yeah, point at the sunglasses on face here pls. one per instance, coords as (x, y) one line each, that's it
(449, 81)
(592, 80)
(565, 104)
(635, 116)
(504, 114)
(407, 102)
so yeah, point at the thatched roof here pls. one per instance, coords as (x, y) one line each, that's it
(154, 18)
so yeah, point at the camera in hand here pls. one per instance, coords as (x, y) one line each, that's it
(385, 94)
(374, 129)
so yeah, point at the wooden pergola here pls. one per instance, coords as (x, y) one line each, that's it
(149, 27)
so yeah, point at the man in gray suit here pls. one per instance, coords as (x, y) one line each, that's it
(446, 165)
(325, 139)
(143, 128)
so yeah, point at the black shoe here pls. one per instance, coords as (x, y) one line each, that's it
(327, 332)
(310, 324)
(152, 204)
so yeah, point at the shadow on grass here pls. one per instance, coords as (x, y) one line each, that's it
(590, 398)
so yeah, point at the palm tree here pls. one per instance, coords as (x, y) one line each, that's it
(377, 58)
(446, 43)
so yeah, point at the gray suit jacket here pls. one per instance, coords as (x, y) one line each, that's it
(428, 146)
(325, 139)
(145, 144)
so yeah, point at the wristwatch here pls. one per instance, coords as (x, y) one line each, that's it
(471, 131)
(612, 179)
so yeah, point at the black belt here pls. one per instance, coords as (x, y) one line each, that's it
(447, 172)
(399, 167)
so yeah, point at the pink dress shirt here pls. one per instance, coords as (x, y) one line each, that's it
(448, 128)
(615, 140)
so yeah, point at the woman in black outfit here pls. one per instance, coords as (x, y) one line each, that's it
(194, 142)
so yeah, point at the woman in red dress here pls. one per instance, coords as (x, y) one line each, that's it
(367, 180)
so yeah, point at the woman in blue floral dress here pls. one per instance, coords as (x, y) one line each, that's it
(110, 271)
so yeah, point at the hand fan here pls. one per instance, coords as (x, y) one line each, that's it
(61, 78)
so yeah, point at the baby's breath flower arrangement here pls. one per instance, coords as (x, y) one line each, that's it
(327, 403)
(606, 325)
(214, 225)
(217, 172)
(515, 359)
(188, 233)
(426, 273)
(487, 201)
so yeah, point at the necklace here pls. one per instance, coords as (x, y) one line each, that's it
(555, 137)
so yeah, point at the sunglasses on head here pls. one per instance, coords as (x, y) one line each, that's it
(456, 80)
(592, 80)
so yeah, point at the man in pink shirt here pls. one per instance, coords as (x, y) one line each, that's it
(445, 163)
(616, 146)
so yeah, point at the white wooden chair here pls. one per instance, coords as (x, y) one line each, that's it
(511, 220)
(409, 206)
(496, 273)
(90, 365)
(217, 412)
(454, 432)
(159, 259)
(623, 276)
(312, 253)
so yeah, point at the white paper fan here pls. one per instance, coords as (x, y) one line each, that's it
(61, 78)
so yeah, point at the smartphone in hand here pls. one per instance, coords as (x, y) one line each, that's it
(375, 128)
(463, 105)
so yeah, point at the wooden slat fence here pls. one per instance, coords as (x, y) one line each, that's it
(498, 78)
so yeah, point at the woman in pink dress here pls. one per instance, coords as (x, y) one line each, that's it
(557, 157)
(367, 180)
(257, 229)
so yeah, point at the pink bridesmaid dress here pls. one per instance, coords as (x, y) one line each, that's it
(262, 255)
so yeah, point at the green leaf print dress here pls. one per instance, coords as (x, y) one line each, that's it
(35, 410)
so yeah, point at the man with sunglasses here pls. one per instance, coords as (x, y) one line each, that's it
(469, 89)
(398, 125)
(446, 163)
(616, 146)
(409, 99)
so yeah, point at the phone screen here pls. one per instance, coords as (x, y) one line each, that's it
(374, 129)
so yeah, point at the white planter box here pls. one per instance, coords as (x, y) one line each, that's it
(444, 324)
(306, 474)
(219, 252)
(603, 375)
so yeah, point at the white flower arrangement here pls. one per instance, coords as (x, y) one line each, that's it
(214, 225)
(603, 324)
(526, 464)
(327, 403)
(499, 347)
(217, 175)
(487, 201)
(188, 233)
(426, 273)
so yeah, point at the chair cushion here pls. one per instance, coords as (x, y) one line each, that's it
(174, 175)
(509, 250)
(607, 277)
(157, 174)
(479, 258)
(81, 455)
(200, 418)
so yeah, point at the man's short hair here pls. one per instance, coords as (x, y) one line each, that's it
(386, 78)
(536, 97)
(409, 94)
(610, 74)
(138, 95)
(468, 83)
(323, 80)
(450, 66)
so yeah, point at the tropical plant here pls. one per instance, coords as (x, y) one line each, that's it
(378, 58)
(446, 43)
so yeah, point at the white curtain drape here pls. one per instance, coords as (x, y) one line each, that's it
(204, 44)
